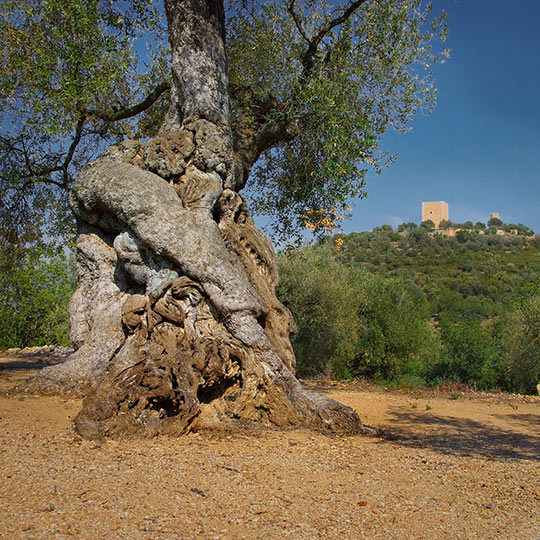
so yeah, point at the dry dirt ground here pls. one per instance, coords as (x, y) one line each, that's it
(443, 468)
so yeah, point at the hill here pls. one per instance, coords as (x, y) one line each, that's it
(420, 305)
(464, 278)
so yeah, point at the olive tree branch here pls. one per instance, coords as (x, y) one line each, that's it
(315, 41)
(130, 112)
(296, 20)
(43, 173)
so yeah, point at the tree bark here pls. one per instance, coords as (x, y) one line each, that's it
(199, 64)
(176, 319)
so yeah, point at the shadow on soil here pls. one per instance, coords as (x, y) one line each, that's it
(462, 436)
(29, 361)
(23, 365)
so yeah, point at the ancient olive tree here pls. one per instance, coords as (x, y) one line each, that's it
(175, 320)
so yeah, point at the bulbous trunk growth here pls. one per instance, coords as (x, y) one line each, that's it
(176, 319)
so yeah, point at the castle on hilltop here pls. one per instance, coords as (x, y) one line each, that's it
(437, 212)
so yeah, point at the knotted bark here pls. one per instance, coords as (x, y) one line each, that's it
(175, 319)
(205, 338)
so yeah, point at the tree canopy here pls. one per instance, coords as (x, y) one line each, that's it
(314, 86)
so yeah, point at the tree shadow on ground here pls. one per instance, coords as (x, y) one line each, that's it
(30, 361)
(15, 369)
(462, 436)
(23, 365)
(528, 421)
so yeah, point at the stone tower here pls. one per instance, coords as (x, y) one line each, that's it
(436, 211)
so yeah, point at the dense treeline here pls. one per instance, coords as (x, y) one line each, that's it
(418, 306)
(37, 274)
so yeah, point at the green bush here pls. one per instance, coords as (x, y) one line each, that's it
(353, 322)
(34, 297)
(319, 293)
(521, 346)
(469, 355)
(396, 336)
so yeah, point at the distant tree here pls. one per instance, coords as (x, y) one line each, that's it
(523, 229)
(395, 327)
(480, 226)
(470, 355)
(445, 224)
(428, 224)
(406, 227)
(521, 346)
(495, 222)
(34, 298)
(463, 235)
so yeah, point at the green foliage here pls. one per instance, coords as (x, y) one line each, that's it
(470, 355)
(407, 227)
(66, 70)
(463, 235)
(72, 72)
(477, 278)
(353, 322)
(64, 58)
(520, 336)
(415, 306)
(494, 222)
(318, 290)
(445, 225)
(34, 297)
(429, 225)
(36, 278)
(69, 73)
(366, 74)
(395, 335)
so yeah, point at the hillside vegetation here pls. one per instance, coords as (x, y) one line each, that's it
(417, 307)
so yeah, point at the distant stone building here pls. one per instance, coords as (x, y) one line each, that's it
(494, 215)
(435, 211)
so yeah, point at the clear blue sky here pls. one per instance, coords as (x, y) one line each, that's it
(480, 148)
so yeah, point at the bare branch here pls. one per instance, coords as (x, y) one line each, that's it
(298, 24)
(43, 173)
(72, 148)
(314, 42)
(131, 111)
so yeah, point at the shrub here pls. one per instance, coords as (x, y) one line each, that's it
(470, 355)
(521, 346)
(34, 297)
(395, 336)
(319, 293)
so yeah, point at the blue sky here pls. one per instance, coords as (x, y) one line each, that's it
(480, 148)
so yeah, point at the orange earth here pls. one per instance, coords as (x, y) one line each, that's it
(447, 465)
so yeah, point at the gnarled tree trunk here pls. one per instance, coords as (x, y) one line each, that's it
(176, 319)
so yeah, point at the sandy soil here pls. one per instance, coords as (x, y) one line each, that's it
(445, 468)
